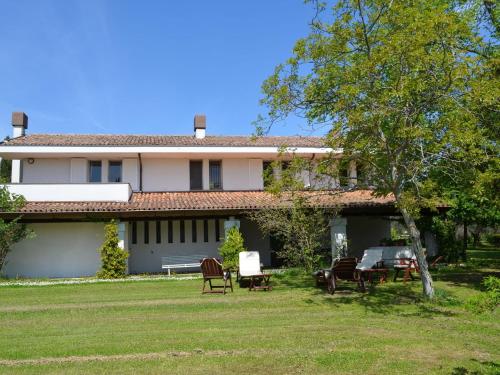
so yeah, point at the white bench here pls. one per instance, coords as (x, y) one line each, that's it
(181, 261)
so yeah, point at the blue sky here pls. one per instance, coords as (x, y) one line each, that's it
(123, 66)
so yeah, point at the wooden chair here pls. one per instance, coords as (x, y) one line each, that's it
(344, 269)
(211, 269)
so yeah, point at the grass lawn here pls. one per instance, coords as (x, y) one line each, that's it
(169, 327)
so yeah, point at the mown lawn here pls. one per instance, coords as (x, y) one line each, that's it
(169, 327)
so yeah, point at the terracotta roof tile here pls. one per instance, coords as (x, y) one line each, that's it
(210, 200)
(160, 140)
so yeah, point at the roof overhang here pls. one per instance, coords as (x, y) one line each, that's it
(22, 152)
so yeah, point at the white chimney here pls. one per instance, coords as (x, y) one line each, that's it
(200, 125)
(19, 124)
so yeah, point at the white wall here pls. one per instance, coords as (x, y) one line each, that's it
(46, 171)
(57, 250)
(130, 173)
(366, 231)
(118, 192)
(78, 170)
(242, 174)
(165, 174)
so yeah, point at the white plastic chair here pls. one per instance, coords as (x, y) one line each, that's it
(250, 268)
(370, 259)
(250, 264)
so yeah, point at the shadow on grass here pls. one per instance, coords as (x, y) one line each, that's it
(469, 278)
(390, 298)
(493, 366)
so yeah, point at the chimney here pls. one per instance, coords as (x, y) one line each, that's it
(200, 124)
(19, 124)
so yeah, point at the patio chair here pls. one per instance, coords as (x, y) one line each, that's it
(345, 269)
(211, 269)
(249, 267)
(342, 269)
(372, 258)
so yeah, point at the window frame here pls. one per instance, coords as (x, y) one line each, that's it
(120, 162)
(193, 187)
(210, 164)
(90, 165)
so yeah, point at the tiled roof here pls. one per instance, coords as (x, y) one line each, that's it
(161, 140)
(210, 201)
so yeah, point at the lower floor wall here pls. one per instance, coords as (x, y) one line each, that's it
(71, 249)
(57, 250)
(149, 241)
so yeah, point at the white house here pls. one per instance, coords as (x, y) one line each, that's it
(172, 195)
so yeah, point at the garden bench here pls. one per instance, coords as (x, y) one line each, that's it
(181, 261)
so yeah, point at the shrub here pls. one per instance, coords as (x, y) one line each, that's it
(487, 300)
(11, 231)
(449, 246)
(113, 258)
(231, 248)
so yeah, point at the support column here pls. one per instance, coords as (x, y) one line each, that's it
(205, 174)
(123, 238)
(17, 171)
(338, 233)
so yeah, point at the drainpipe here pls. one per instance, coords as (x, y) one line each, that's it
(140, 172)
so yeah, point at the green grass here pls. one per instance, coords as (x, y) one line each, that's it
(169, 327)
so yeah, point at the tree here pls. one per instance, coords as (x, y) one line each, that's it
(12, 230)
(113, 258)
(301, 228)
(395, 81)
(230, 249)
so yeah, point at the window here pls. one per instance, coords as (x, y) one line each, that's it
(215, 175)
(196, 174)
(95, 171)
(194, 231)
(146, 232)
(170, 232)
(267, 172)
(217, 230)
(183, 231)
(134, 232)
(205, 230)
(158, 231)
(115, 171)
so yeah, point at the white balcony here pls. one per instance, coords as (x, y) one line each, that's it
(90, 192)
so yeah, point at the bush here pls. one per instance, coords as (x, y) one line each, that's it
(113, 258)
(487, 300)
(449, 246)
(231, 248)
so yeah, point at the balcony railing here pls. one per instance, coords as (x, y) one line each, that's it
(115, 192)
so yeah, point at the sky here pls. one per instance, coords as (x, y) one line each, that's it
(143, 66)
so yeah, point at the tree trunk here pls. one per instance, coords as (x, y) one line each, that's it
(427, 283)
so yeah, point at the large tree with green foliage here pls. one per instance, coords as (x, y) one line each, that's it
(11, 230)
(397, 82)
